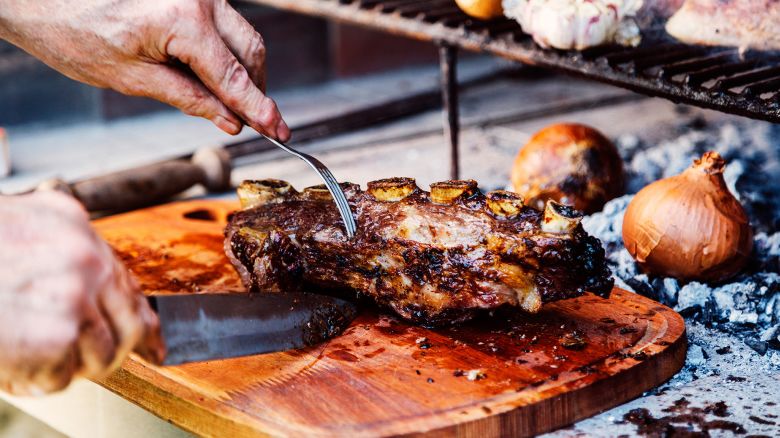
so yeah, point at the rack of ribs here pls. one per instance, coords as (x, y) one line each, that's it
(433, 257)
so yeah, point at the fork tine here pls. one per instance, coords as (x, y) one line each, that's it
(349, 223)
(330, 182)
(338, 195)
(339, 198)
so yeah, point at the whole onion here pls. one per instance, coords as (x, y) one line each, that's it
(689, 226)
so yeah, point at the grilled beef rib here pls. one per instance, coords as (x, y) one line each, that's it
(433, 257)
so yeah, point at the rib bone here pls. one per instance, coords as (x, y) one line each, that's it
(256, 193)
(560, 219)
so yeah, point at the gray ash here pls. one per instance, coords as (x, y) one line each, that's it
(747, 307)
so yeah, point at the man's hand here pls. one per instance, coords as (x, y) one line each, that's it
(68, 307)
(200, 56)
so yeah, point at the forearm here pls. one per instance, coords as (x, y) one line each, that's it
(11, 13)
(50, 30)
(19, 17)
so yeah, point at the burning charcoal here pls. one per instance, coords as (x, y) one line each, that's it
(671, 288)
(642, 288)
(759, 347)
(693, 294)
(772, 337)
(696, 356)
(691, 312)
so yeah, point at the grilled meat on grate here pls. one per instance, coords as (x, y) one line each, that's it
(742, 23)
(433, 257)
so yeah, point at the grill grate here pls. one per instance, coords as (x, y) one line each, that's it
(718, 78)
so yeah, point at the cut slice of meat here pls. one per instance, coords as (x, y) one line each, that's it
(741, 23)
(433, 257)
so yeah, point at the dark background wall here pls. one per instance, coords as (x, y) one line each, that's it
(301, 50)
(30, 91)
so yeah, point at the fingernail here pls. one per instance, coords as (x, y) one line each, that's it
(229, 126)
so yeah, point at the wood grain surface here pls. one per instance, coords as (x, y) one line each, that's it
(529, 373)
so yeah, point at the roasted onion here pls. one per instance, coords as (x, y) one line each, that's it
(689, 226)
(482, 9)
(571, 164)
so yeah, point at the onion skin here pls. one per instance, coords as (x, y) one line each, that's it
(571, 164)
(689, 226)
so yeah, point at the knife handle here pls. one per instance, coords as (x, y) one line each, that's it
(145, 185)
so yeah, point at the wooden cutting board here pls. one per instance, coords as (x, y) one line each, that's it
(509, 374)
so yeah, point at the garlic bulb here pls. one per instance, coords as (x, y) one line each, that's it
(689, 226)
(577, 24)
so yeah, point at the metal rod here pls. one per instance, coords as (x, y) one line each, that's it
(448, 64)
(364, 116)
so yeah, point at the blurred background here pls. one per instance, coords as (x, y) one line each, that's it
(301, 51)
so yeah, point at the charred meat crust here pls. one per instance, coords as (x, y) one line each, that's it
(434, 258)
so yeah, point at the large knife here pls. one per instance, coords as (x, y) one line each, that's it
(199, 327)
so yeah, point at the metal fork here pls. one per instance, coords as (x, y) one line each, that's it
(330, 182)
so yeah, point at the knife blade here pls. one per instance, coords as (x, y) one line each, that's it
(199, 327)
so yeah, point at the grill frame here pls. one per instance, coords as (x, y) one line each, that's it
(718, 78)
(441, 21)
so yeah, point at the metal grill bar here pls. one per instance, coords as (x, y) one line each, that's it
(748, 77)
(716, 78)
(697, 78)
(676, 68)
